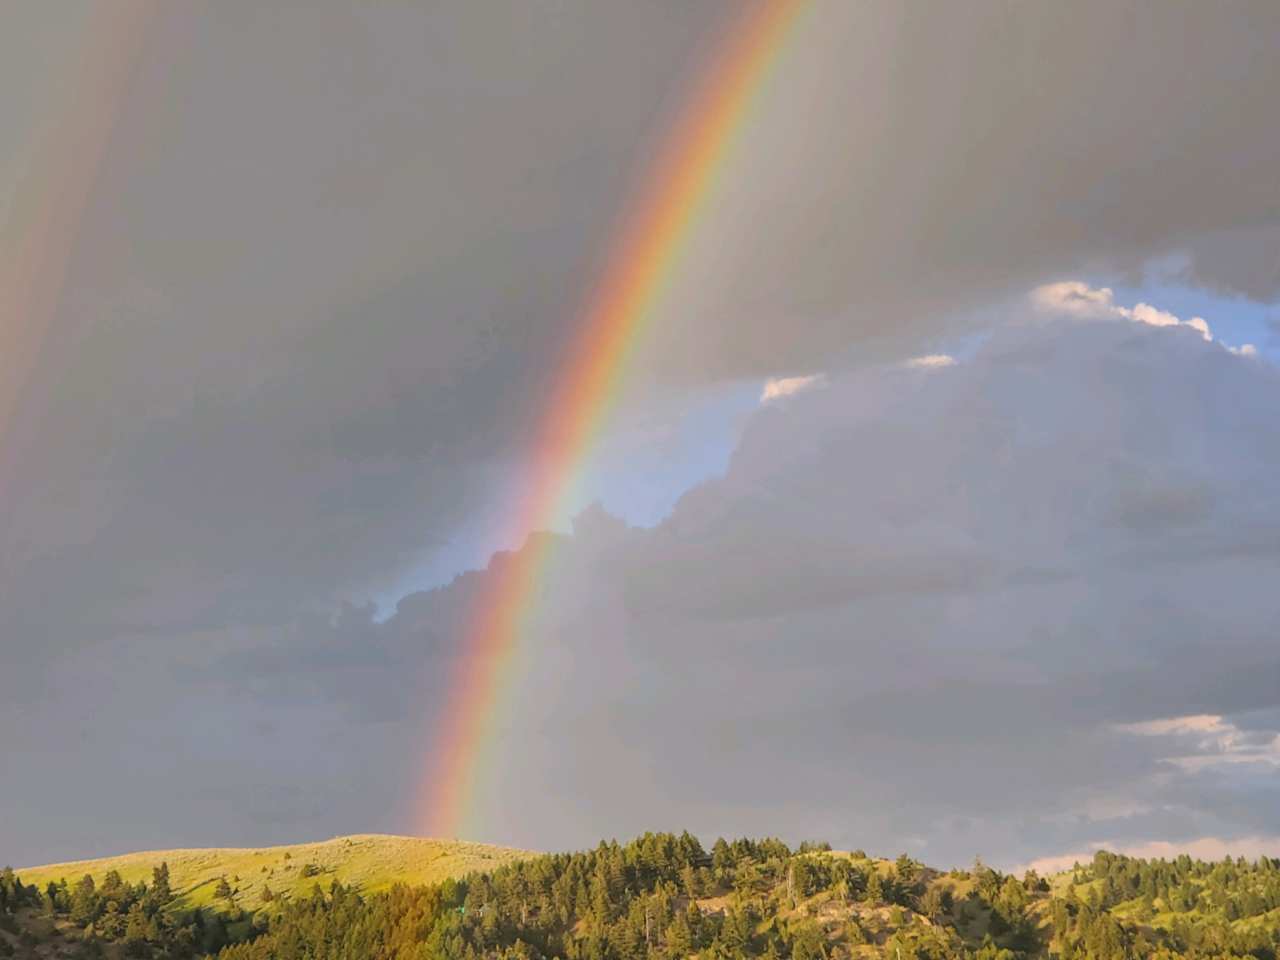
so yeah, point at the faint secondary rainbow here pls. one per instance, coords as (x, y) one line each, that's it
(641, 263)
(43, 218)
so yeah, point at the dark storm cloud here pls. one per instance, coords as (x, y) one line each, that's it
(331, 260)
(1082, 681)
(917, 158)
(335, 253)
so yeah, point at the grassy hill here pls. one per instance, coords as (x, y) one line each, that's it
(367, 862)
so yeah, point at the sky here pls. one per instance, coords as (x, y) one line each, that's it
(937, 512)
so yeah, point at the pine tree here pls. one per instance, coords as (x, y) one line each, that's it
(721, 857)
(112, 886)
(907, 869)
(84, 902)
(679, 937)
(110, 923)
(875, 887)
(135, 930)
(697, 926)
(10, 890)
(931, 904)
(160, 890)
(736, 933)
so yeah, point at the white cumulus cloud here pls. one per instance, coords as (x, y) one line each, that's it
(1203, 740)
(776, 388)
(1076, 298)
(931, 360)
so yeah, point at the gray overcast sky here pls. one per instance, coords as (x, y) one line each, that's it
(286, 286)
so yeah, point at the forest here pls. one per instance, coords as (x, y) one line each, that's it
(665, 897)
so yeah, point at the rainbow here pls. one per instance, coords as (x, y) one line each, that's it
(45, 218)
(639, 268)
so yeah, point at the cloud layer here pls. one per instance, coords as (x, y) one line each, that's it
(1015, 605)
(278, 337)
(942, 607)
(321, 290)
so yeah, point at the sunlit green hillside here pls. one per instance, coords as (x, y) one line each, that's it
(368, 862)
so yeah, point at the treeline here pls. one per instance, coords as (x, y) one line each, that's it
(1119, 908)
(645, 900)
(663, 897)
(1231, 889)
(138, 918)
(14, 896)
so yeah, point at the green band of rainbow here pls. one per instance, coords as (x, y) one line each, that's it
(640, 268)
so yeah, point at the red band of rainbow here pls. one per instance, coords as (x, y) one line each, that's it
(639, 269)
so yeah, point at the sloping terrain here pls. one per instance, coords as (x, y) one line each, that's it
(367, 862)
